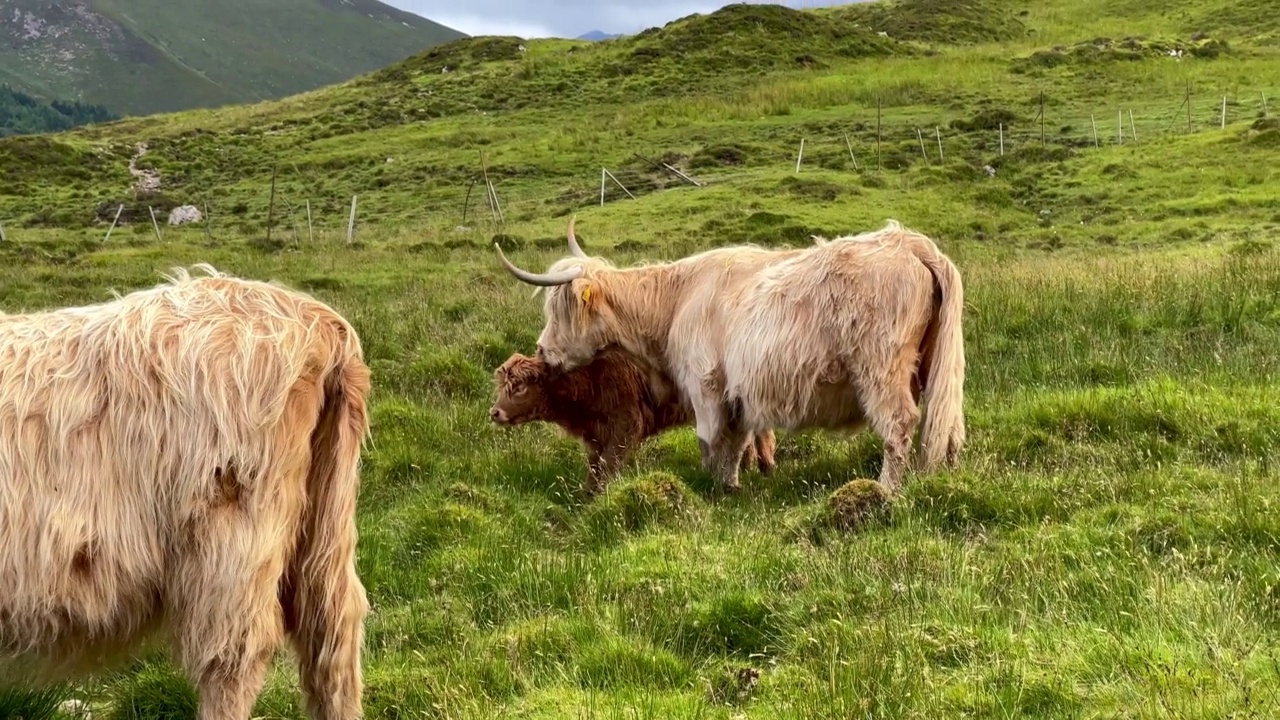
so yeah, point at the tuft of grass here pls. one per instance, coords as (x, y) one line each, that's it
(656, 500)
(43, 704)
(153, 692)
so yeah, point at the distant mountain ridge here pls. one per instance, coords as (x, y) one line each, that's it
(145, 56)
(596, 35)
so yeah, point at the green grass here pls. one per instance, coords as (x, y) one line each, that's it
(147, 56)
(1109, 545)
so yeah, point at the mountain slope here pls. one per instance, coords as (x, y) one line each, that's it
(144, 56)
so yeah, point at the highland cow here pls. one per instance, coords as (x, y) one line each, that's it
(847, 333)
(183, 462)
(611, 404)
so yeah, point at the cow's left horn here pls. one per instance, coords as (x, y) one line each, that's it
(574, 248)
(542, 280)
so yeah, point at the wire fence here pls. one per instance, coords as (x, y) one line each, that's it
(863, 145)
(866, 145)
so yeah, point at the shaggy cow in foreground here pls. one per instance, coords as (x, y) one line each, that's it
(847, 332)
(611, 404)
(183, 461)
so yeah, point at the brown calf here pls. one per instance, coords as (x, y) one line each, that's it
(611, 404)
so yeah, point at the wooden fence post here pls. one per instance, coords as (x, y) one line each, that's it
(850, 149)
(271, 203)
(878, 104)
(155, 225)
(113, 224)
(351, 223)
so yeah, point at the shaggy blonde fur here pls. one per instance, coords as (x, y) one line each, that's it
(842, 334)
(184, 460)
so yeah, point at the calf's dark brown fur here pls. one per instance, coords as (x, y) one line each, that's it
(611, 404)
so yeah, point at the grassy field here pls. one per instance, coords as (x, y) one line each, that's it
(1108, 548)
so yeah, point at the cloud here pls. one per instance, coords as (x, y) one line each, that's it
(568, 18)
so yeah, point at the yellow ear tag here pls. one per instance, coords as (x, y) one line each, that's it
(586, 294)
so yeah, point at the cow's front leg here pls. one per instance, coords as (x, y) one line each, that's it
(731, 444)
(721, 440)
(707, 423)
(727, 453)
(595, 480)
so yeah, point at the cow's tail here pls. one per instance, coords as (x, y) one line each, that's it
(943, 364)
(327, 600)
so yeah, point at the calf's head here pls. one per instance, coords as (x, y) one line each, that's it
(579, 319)
(520, 394)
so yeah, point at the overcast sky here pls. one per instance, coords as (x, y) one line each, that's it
(565, 18)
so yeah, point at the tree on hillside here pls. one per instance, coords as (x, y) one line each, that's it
(22, 114)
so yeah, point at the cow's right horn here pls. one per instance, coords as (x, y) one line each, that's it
(541, 280)
(574, 248)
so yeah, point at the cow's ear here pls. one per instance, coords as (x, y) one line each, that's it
(588, 292)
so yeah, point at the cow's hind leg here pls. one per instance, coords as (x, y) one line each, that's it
(749, 456)
(765, 444)
(894, 417)
(228, 621)
(230, 617)
(758, 452)
(229, 689)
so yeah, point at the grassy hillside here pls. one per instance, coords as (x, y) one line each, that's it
(1108, 547)
(145, 56)
(728, 98)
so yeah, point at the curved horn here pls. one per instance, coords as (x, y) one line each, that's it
(574, 248)
(541, 280)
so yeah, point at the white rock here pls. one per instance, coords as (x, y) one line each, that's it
(75, 708)
(184, 214)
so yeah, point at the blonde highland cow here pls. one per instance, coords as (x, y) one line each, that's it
(848, 332)
(183, 462)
